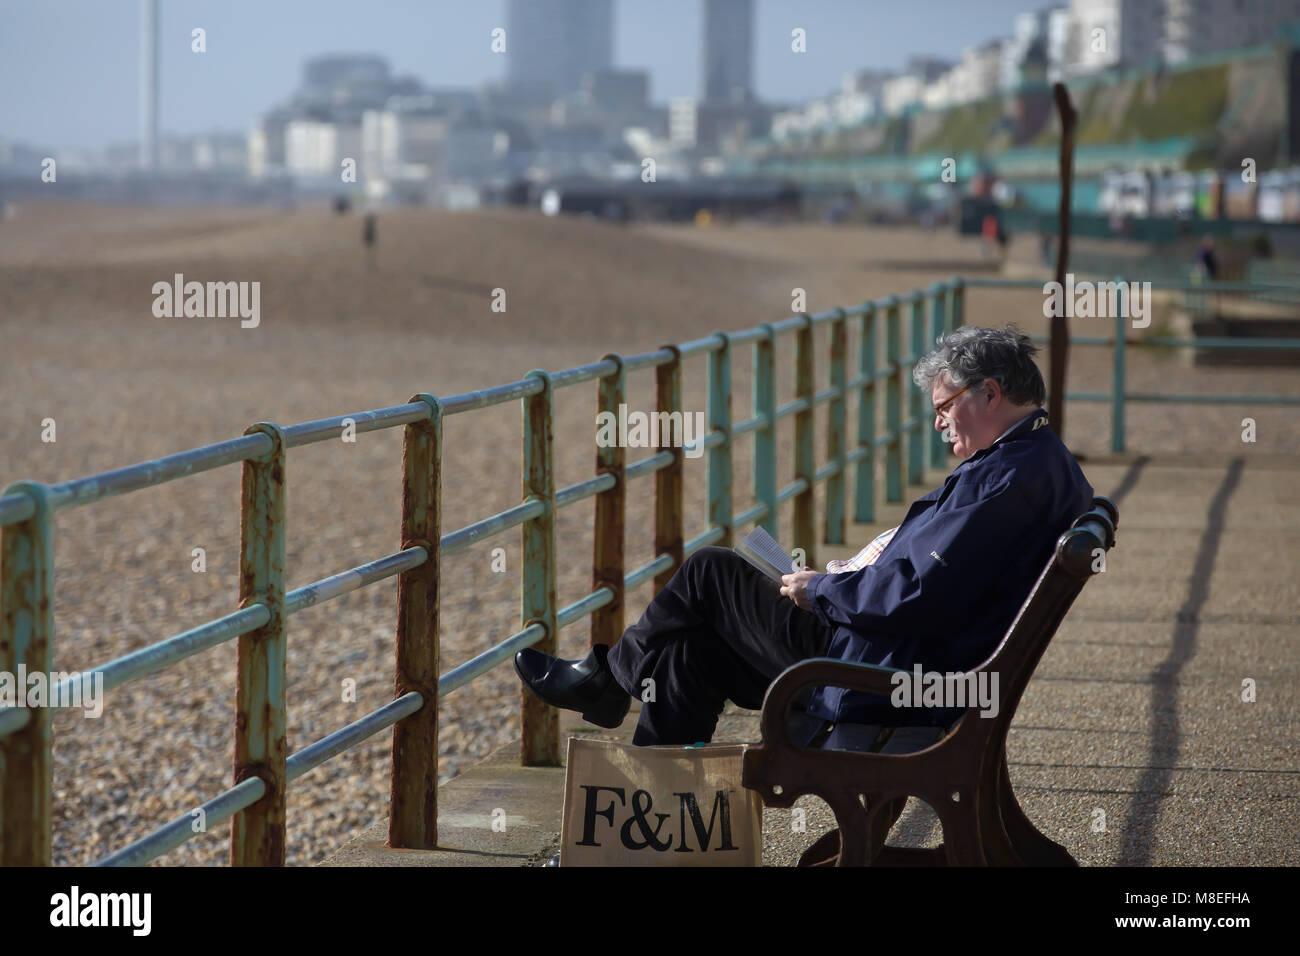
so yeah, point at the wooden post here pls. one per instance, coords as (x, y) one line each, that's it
(1059, 348)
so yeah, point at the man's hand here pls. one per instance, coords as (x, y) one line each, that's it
(795, 587)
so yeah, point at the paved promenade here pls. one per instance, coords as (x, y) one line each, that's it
(1133, 745)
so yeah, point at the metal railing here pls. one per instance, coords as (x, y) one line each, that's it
(1269, 281)
(256, 800)
(263, 769)
(1120, 341)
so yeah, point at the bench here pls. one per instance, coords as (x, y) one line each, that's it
(866, 772)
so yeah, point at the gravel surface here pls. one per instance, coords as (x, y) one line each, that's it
(341, 332)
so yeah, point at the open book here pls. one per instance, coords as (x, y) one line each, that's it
(761, 550)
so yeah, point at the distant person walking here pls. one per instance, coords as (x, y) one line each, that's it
(989, 231)
(1208, 261)
(369, 235)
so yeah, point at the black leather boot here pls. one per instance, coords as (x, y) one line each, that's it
(587, 686)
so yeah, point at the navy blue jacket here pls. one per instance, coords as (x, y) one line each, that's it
(949, 584)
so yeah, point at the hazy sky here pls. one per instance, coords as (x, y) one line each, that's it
(68, 68)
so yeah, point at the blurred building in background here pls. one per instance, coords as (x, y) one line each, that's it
(1111, 33)
(727, 51)
(217, 152)
(551, 44)
(316, 149)
(345, 80)
(1060, 26)
(726, 114)
(907, 89)
(709, 127)
(1197, 27)
(1168, 86)
(404, 145)
(1026, 53)
(266, 143)
(310, 135)
(976, 76)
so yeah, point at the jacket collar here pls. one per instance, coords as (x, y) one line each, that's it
(1024, 428)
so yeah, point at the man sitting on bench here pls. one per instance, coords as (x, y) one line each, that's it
(941, 594)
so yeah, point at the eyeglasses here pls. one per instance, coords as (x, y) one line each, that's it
(942, 409)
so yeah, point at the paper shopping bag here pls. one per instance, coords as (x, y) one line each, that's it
(658, 806)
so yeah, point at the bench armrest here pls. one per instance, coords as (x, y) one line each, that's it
(815, 672)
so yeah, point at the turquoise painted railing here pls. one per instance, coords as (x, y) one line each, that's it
(264, 770)
(1119, 342)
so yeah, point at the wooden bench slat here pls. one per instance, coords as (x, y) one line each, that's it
(859, 738)
(804, 727)
(908, 740)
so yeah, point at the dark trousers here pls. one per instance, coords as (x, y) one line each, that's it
(719, 631)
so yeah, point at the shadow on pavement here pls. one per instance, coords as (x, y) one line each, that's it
(1166, 734)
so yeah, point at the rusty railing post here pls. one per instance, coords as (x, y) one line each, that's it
(805, 512)
(26, 639)
(916, 440)
(413, 788)
(765, 437)
(864, 490)
(835, 438)
(257, 832)
(719, 420)
(954, 319)
(938, 326)
(540, 722)
(668, 481)
(611, 511)
(893, 411)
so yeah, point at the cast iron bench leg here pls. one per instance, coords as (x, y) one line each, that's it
(960, 821)
(1030, 844)
(860, 833)
(911, 856)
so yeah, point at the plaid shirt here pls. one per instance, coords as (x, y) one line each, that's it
(864, 557)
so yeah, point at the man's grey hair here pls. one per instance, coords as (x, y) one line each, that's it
(970, 355)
